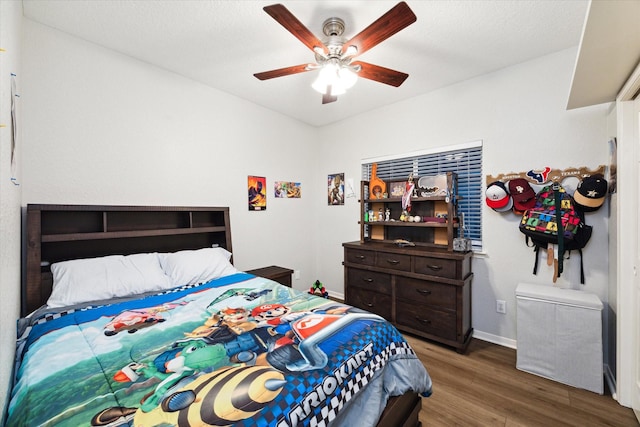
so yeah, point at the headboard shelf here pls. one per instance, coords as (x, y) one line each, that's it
(128, 234)
(63, 232)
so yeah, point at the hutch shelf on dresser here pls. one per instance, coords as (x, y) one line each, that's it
(436, 224)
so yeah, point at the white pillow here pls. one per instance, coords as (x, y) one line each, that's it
(197, 266)
(92, 279)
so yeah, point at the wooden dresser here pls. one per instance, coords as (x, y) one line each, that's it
(422, 290)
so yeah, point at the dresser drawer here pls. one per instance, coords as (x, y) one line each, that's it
(432, 321)
(369, 280)
(356, 256)
(436, 267)
(424, 292)
(394, 261)
(374, 302)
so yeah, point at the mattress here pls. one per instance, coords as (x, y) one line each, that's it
(238, 350)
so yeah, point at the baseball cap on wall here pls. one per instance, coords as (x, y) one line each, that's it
(497, 197)
(524, 197)
(591, 192)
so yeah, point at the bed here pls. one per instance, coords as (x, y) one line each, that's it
(136, 316)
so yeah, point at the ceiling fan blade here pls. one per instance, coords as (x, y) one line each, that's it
(327, 97)
(281, 72)
(380, 74)
(294, 26)
(397, 18)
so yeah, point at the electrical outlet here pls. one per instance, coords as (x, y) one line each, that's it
(501, 306)
(296, 274)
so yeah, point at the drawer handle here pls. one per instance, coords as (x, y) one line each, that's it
(393, 261)
(435, 267)
(368, 279)
(369, 305)
(425, 321)
(360, 257)
(423, 291)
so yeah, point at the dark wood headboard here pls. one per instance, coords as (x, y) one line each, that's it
(64, 232)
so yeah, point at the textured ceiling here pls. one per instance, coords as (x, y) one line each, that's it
(223, 43)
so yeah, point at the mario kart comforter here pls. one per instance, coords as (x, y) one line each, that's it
(239, 350)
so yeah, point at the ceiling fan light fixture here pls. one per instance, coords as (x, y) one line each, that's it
(334, 79)
(347, 77)
(336, 90)
(350, 51)
(320, 52)
(326, 76)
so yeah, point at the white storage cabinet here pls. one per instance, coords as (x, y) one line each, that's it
(559, 335)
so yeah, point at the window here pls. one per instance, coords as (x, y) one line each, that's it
(465, 160)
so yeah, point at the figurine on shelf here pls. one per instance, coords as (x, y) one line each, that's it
(387, 214)
(377, 187)
(380, 215)
(408, 193)
(318, 289)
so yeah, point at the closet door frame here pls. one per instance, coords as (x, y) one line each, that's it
(628, 252)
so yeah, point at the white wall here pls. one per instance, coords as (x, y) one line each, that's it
(10, 194)
(107, 129)
(519, 113)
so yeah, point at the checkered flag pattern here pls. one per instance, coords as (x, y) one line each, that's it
(345, 376)
(359, 381)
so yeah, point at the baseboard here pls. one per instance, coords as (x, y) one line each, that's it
(336, 296)
(611, 381)
(495, 339)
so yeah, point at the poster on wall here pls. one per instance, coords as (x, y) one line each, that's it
(287, 189)
(336, 189)
(257, 191)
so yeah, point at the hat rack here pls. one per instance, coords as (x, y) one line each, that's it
(546, 175)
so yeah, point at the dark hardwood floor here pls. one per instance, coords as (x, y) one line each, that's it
(484, 388)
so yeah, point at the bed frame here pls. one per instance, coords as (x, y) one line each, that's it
(64, 232)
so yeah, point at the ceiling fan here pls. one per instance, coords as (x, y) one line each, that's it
(334, 56)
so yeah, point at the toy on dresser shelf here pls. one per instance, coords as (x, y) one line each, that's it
(377, 187)
(318, 289)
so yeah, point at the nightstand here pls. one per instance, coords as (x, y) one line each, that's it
(279, 274)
